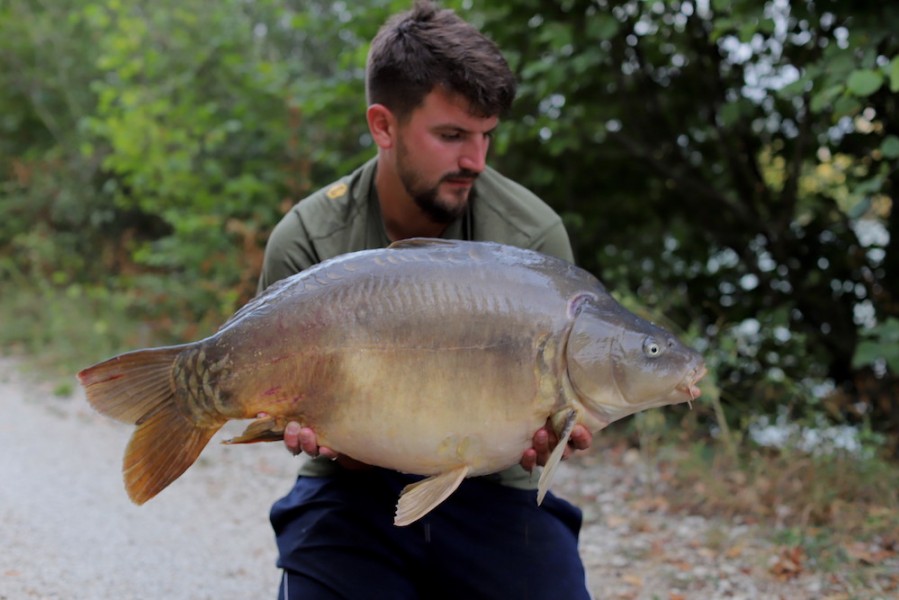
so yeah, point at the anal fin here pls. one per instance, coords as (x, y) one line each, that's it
(420, 498)
(264, 429)
(567, 420)
(162, 447)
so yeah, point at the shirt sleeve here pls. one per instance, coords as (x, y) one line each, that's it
(287, 252)
(555, 242)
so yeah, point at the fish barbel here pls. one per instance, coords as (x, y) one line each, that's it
(434, 357)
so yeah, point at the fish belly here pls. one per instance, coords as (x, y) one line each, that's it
(426, 411)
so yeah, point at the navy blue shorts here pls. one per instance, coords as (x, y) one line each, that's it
(337, 540)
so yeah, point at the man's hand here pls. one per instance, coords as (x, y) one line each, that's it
(302, 439)
(546, 439)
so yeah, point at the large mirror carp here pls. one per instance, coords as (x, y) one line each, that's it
(434, 357)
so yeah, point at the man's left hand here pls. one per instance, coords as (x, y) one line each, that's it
(546, 439)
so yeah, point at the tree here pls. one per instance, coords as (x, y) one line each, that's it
(49, 202)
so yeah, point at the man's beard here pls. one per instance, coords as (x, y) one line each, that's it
(427, 196)
(432, 205)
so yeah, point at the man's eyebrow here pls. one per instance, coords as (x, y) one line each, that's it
(461, 129)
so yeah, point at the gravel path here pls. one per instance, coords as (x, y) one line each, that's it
(70, 532)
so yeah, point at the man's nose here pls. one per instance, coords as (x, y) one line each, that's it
(474, 155)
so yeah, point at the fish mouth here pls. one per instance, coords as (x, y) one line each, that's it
(689, 388)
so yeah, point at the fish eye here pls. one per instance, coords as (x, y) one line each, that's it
(651, 348)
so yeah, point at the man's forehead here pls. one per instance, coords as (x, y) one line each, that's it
(443, 108)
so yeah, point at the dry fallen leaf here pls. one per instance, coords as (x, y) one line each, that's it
(867, 553)
(651, 504)
(788, 564)
(615, 521)
(681, 565)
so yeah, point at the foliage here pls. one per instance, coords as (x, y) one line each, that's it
(880, 348)
(50, 205)
(729, 164)
(65, 331)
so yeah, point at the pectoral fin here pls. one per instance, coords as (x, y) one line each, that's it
(418, 499)
(564, 422)
(265, 429)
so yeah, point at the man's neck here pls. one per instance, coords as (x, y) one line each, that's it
(401, 216)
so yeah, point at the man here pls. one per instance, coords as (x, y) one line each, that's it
(436, 88)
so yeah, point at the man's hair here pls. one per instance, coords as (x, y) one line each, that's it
(426, 47)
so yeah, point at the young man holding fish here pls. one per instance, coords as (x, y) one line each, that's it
(436, 88)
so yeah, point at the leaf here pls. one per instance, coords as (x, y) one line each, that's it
(555, 35)
(846, 106)
(789, 564)
(882, 344)
(870, 554)
(866, 353)
(603, 26)
(730, 114)
(888, 331)
(890, 147)
(721, 6)
(747, 30)
(794, 89)
(894, 75)
(822, 100)
(864, 82)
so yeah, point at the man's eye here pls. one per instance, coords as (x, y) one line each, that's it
(451, 137)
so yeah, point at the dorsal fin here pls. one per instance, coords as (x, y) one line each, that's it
(260, 300)
(419, 242)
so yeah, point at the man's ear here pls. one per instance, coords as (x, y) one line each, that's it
(382, 125)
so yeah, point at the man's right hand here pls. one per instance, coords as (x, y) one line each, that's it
(302, 439)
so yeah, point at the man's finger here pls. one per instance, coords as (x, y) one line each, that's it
(541, 441)
(327, 453)
(529, 459)
(581, 438)
(308, 441)
(292, 438)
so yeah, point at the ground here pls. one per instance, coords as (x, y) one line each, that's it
(70, 532)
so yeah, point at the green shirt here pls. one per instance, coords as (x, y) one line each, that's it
(345, 217)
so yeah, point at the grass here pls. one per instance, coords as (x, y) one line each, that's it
(852, 494)
(63, 330)
(833, 518)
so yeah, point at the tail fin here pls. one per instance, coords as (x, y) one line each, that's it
(137, 388)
